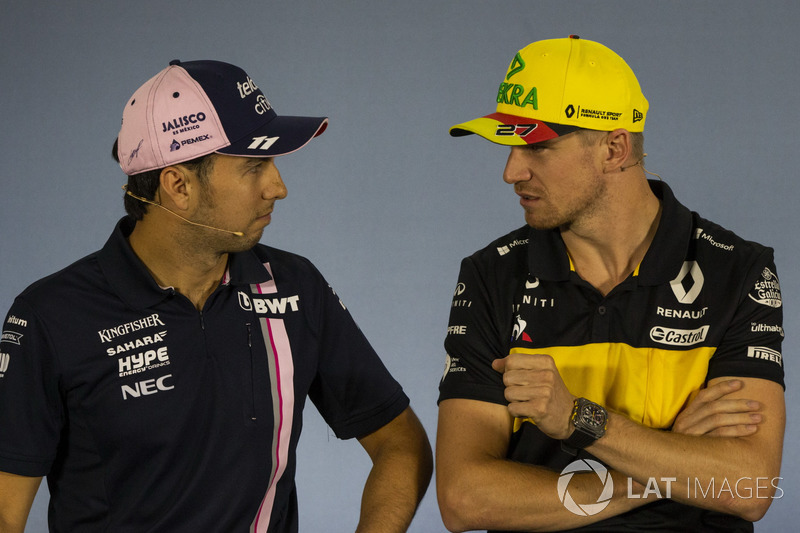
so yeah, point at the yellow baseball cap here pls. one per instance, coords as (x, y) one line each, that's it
(557, 86)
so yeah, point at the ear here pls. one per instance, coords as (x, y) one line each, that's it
(174, 187)
(618, 150)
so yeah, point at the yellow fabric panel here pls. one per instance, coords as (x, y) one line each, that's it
(648, 385)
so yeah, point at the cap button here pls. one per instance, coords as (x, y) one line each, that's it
(574, 36)
(175, 62)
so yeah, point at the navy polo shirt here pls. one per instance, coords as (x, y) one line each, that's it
(146, 414)
(703, 303)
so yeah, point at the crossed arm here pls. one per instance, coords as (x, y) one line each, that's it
(733, 430)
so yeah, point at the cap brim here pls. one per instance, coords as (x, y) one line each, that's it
(511, 130)
(280, 136)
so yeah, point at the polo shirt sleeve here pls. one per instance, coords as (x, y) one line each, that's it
(353, 390)
(751, 346)
(476, 335)
(31, 416)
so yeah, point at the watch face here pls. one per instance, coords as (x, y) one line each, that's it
(593, 416)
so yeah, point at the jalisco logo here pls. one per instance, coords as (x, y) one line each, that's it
(184, 123)
(690, 272)
(767, 290)
(586, 509)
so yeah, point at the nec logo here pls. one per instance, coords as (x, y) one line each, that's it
(147, 387)
(269, 305)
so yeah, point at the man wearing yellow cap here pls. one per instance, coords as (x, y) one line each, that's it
(615, 363)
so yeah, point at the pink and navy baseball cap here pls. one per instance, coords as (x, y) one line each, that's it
(194, 108)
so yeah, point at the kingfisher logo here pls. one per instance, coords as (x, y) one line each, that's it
(679, 337)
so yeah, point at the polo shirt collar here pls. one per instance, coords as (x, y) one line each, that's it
(548, 258)
(134, 285)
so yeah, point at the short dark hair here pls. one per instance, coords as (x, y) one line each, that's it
(145, 184)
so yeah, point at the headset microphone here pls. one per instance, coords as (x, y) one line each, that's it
(145, 200)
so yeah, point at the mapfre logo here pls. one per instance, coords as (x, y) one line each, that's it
(678, 337)
(275, 306)
(688, 283)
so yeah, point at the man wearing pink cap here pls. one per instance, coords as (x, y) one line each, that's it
(159, 383)
(614, 364)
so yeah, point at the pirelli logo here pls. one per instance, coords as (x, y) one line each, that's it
(762, 352)
(678, 337)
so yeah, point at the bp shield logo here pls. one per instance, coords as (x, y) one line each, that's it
(585, 509)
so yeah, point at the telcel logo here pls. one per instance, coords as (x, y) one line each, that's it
(678, 337)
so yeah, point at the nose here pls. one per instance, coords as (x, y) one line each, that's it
(273, 188)
(517, 168)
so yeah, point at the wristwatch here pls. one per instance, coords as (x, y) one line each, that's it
(590, 422)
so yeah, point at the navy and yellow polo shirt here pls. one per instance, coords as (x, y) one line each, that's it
(146, 414)
(703, 303)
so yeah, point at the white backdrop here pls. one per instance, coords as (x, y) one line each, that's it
(385, 202)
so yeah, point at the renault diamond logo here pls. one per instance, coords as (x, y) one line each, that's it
(689, 282)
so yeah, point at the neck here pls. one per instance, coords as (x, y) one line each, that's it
(173, 262)
(607, 250)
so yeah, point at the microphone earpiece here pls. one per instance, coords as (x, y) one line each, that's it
(145, 200)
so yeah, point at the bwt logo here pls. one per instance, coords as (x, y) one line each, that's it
(586, 509)
(269, 305)
(147, 387)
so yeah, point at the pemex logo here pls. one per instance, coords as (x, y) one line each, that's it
(585, 509)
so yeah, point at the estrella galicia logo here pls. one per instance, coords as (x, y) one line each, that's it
(767, 290)
(585, 509)
(688, 283)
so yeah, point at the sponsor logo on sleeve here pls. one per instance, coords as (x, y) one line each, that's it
(700, 234)
(503, 250)
(12, 337)
(452, 364)
(767, 290)
(4, 360)
(764, 353)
